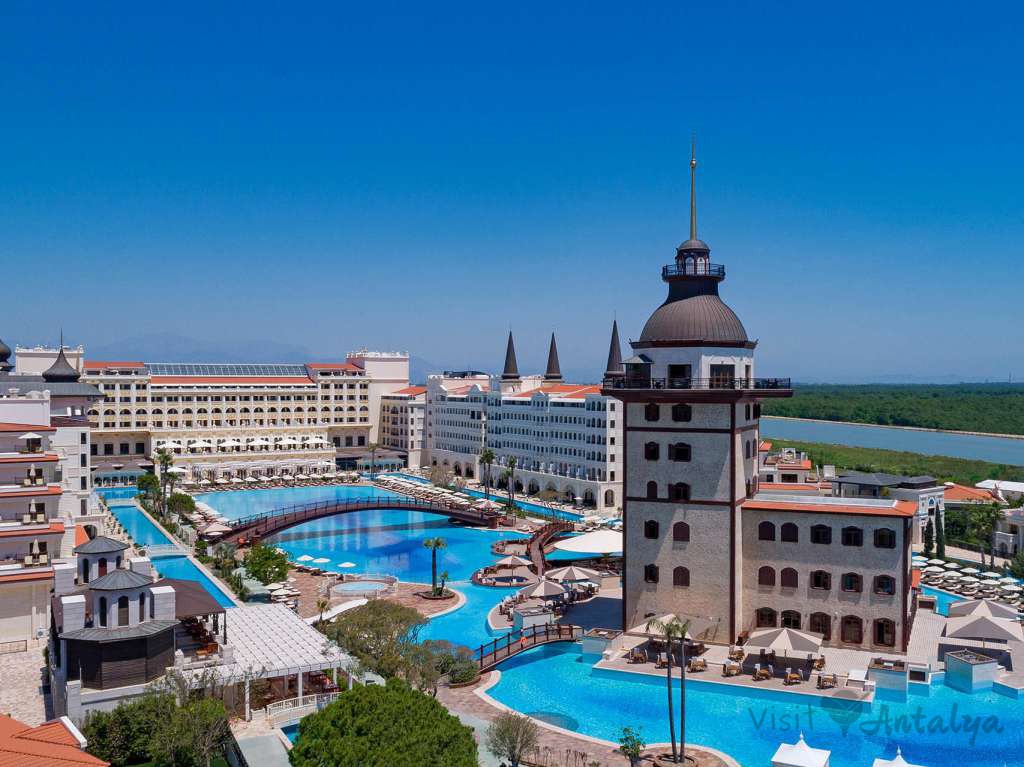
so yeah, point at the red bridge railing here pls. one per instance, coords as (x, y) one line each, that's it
(492, 653)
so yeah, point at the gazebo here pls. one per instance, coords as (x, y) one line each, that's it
(799, 754)
(896, 761)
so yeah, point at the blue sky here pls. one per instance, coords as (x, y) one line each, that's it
(424, 177)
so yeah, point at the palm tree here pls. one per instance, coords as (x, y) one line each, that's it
(434, 544)
(444, 579)
(372, 447)
(509, 475)
(672, 629)
(164, 459)
(487, 458)
(322, 605)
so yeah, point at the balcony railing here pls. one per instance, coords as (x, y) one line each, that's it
(693, 270)
(741, 384)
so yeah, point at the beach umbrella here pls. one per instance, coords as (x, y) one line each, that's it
(177, 470)
(320, 560)
(952, 565)
(305, 558)
(512, 561)
(1008, 580)
(981, 607)
(1010, 588)
(572, 574)
(970, 571)
(984, 628)
(542, 589)
(951, 576)
(936, 561)
(969, 579)
(990, 582)
(934, 569)
(990, 574)
(799, 754)
(347, 564)
(599, 542)
(274, 586)
(783, 640)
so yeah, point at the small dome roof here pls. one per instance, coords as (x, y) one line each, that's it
(697, 318)
(101, 544)
(61, 370)
(5, 352)
(694, 245)
(119, 580)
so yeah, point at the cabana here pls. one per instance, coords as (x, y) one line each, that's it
(799, 754)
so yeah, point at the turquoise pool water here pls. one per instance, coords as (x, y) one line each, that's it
(145, 533)
(360, 586)
(291, 731)
(556, 684)
(943, 599)
(117, 493)
(527, 506)
(235, 504)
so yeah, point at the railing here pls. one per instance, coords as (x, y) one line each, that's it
(740, 384)
(492, 653)
(693, 270)
(276, 710)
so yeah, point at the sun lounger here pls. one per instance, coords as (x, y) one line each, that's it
(827, 681)
(792, 677)
(736, 653)
(661, 661)
(697, 664)
(761, 673)
(818, 663)
(730, 668)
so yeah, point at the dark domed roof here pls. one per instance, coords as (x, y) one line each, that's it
(5, 356)
(101, 544)
(694, 244)
(119, 580)
(697, 318)
(61, 370)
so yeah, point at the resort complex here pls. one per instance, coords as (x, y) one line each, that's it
(559, 549)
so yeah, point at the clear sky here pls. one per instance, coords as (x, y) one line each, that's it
(423, 176)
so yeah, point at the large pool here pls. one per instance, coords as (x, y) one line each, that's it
(943, 599)
(145, 533)
(556, 684)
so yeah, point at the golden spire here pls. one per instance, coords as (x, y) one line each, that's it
(693, 187)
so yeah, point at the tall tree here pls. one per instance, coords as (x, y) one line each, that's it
(929, 538)
(165, 459)
(940, 538)
(373, 447)
(672, 629)
(509, 475)
(378, 634)
(512, 736)
(487, 459)
(434, 544)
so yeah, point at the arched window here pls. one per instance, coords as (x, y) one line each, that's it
(681, 578)
(852, 629)
(885, 632)
(652, 412)
(790, 533)
(885, 585)
(103, 612)
(821, 534)
(609, 497)
(821, 580)
(766, 531)
(681, 532)
(766, 576)
(651, 451)
(650, 528)
(652, 490)
(142, 607)
(679, 491)
(850, 582)
(85, 570)
(820, 623)
(885, 538)
(682, 413)
(122, 611)
(788, 578)
(102, 566)
(680, 451)
(651, 573)
(853, 536)
(766, 618)
(790, 619)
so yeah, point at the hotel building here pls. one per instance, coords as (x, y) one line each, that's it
(564, 436)
(223, 421)
(700, 540)
(402, 415)
(46, 501)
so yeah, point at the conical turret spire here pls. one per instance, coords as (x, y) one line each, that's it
(553, 372)
(615, 369)
(511, 371)
(61, 371)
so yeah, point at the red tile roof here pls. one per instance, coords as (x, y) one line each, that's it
(55, 528)
(767, 487)
(412, 391)
(28, 492)
(51, 744)
(101, 364)
(565, 391)
(805, 464)
(893, 509)
(80, 535)
(765, 445)
(30, 458)
(955, 492)
(230, 380)
(35, 574)
(23, 427)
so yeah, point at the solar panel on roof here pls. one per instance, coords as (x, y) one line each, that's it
(217, 369)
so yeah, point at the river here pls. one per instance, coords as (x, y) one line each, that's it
(994, 449)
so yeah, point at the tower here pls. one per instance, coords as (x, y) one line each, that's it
(553, 372)
(690, 432)
(510, 379)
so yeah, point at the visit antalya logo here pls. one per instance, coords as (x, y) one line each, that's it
(846, 710)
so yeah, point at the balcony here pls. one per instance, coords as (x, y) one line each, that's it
(691, 269)
(699, 384)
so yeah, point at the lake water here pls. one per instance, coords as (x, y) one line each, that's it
(994, 449)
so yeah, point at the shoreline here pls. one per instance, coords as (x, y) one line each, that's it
(891, 426)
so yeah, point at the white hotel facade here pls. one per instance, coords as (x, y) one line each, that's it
(229, 421)
(564, 437)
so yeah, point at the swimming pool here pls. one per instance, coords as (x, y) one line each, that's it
(943, 599)
(117, 493)
(555, 683)
(527, 506)
(145, 533)
(361, 587)
(235, 504)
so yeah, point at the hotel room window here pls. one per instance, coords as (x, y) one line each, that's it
(681, 578)
(681, 532)
(853, 536)
(652, 490)
(885, 632)
(853, 629)
(680, 451)
(851, 582)
(790, 533)
(820, 623)
(651, 573)
(788, 578)
(765, 576)
(885, 585)
(821, 580)
(766, 618)
(679, 491)
(682, 413)
(650, 528)
(821, 534)
(766, 531)
(652, 451)
(885, 538)
(790, 619)
(652, 412)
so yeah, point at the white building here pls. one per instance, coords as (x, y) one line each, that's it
(402, 415)
(222, 421)
(455, 419)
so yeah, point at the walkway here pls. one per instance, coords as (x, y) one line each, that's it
(21, 686)
(491, 654)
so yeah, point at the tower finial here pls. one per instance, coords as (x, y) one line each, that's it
(693, 186)
(553, 372)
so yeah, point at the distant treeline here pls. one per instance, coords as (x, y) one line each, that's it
(996, 408)
(943, 468)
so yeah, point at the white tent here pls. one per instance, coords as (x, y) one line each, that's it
(177, 470)
(799, 754)
(572, 574)
(599, 542)
(897, 761)
(783, 640)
